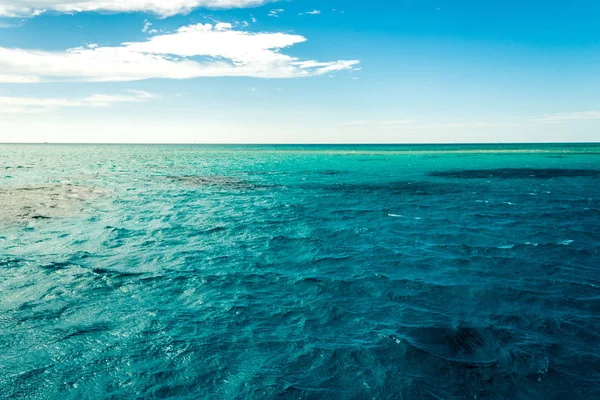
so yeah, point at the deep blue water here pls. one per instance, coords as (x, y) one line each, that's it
(301, 272)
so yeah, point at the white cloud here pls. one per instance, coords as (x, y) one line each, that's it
(162, 8)
(14, 105)
(313, 12)
(193, 51)
(575, 116)
(275, 13)
(222, 26)
(147, 25)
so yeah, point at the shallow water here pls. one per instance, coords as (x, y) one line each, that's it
(350, 272)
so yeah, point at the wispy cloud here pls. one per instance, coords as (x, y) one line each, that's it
(162, 8)
(423, 126)
(313, 12)
(6, 25)
(14, 104)
(275, 13)
(357, 122)
(567, 117)
(201, 50)
(415, 125)
(147, 28)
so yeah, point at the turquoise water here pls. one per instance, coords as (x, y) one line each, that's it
(325, 272)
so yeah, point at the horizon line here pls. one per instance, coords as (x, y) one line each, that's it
(298, 144)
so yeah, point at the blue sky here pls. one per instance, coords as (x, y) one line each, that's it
(235, 71)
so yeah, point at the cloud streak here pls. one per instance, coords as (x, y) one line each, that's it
(162, 8)
(275, 13)
(30, 105)
(4, 25)
(568, 117)
(415, 125)
(313, 12)
(194, 51)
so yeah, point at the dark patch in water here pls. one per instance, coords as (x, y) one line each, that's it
(11, 262)
(517, 173)
(206, 180)
(18, 167)
(465, 340)
(119, 274)
(225, 182)
(40, 217)
(56, 265)
(73, 332)
(328, 172)
(414, 188)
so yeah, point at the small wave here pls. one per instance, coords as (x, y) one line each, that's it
(11, 262)
(402, 216)
(213, 230)
(561, 243)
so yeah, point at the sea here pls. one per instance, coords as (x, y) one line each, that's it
(300, 271)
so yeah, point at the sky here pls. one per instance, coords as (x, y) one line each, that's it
(299, 71)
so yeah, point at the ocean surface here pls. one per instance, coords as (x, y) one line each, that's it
(300, 272)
